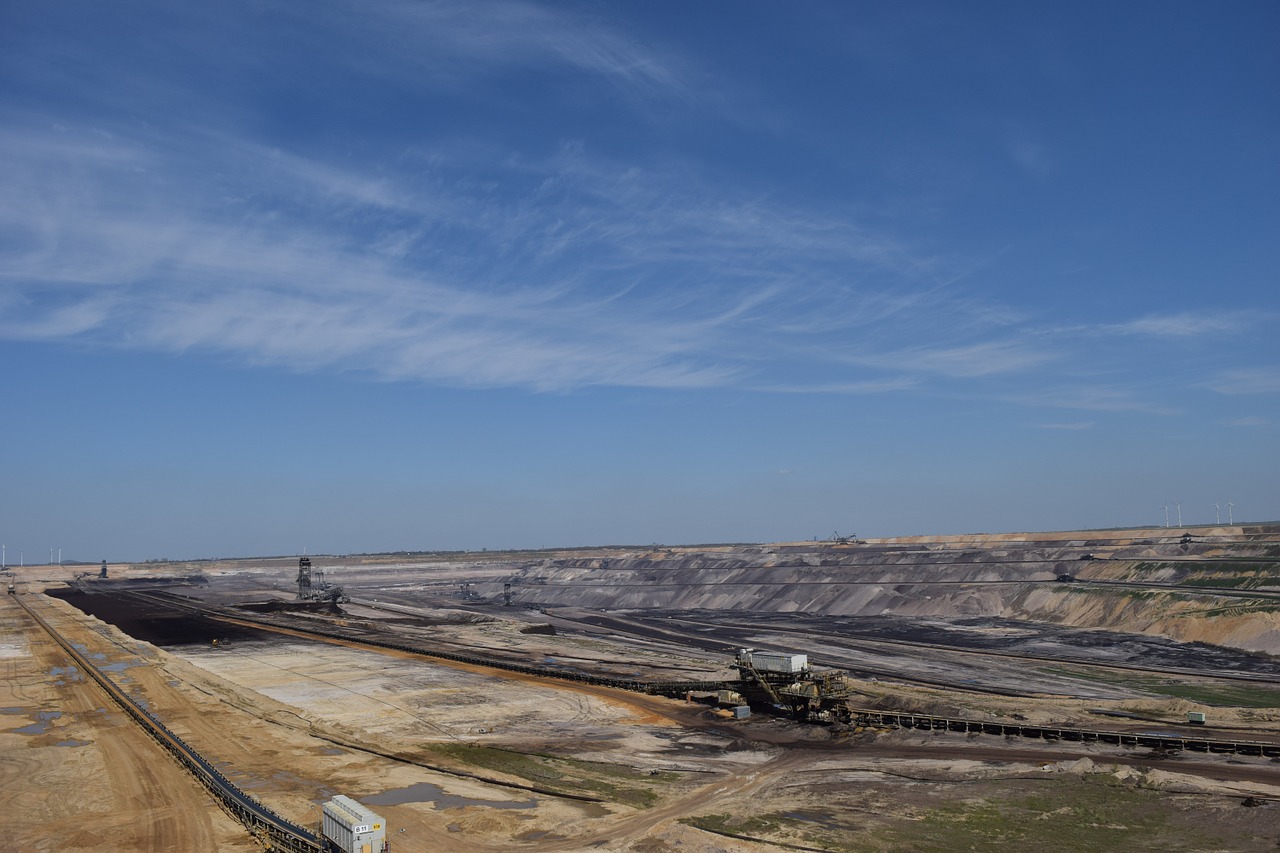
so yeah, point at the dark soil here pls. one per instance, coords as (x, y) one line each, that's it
(156, 624)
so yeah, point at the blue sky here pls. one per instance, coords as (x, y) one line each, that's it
(415, 275)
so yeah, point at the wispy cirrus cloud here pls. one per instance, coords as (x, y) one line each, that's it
(1184, 325)
(1246, 381)
(986, 358)
(1095, 398)
(580, 272)
(289, 262)
(189, 218)
(512, 33)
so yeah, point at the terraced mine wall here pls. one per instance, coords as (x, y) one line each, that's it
(1221, 589)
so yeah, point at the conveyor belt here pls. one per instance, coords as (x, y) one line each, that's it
(278, 833)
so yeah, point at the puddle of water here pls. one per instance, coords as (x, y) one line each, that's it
(48, 715)
(823, 820)
(589, 809)
(332, 750)
(425, 792)
(120, 666)
(539, 835)
(13, 710)
(72, 742)
(37, 728)
(99, 655)
(453, 827)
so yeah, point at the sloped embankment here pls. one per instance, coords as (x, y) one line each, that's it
(1200, 591)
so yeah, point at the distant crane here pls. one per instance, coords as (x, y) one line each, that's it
(304, 579)
(314, 587)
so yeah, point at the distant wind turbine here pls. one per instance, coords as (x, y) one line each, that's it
(1230, 506)
(1179, 505)
(1166, 515)
(1217, 514)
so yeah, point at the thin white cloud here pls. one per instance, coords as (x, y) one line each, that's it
(456, 41)
(1117, 399)
(965, 361)
(55, 322)
(1251, 421)
(1184, 325)
(310, 267)
(1246, 381)
(1074, 425)
(870, 386)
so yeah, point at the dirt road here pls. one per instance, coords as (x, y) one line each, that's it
(83, 776)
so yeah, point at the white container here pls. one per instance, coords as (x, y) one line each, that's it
(773, 662)
(352, 827)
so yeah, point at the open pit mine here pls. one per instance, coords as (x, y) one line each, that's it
(1098, 690)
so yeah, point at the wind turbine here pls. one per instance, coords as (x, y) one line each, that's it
(1230, 506)
(1217, 514)
(1179, 506)
(1166, 515)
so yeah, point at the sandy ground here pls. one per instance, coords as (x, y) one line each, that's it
(77, 774)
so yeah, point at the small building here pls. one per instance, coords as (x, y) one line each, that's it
(349, 827)
(773, 661)
(1196, 718)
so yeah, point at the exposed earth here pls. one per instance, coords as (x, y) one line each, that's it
(1114, 630)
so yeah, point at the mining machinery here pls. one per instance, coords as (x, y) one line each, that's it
(786, 682)
(314, 587)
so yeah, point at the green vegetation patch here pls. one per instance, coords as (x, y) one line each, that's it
(779, 829)
(1227, 696)
(614, 783)
(1120, 592)
(1241, 607)
(1066, 814)
(1229, 575)
(1214, 694)
(1092, 813)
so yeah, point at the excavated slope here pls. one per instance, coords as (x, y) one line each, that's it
(1221, 587)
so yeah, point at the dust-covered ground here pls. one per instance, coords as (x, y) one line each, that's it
(470, 758)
